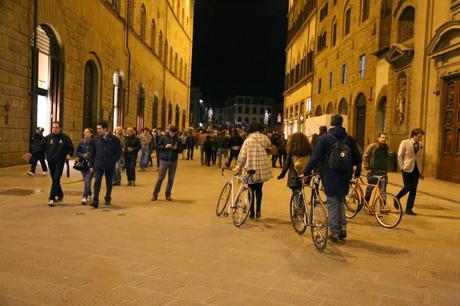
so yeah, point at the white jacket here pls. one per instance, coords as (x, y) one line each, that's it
(407, 156)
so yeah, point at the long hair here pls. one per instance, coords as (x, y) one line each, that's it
(299, 145)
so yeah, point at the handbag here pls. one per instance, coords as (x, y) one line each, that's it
(80, 165)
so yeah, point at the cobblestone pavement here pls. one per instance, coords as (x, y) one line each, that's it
(139, 252)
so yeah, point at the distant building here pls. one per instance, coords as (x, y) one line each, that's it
(245, 109)
(197, 108)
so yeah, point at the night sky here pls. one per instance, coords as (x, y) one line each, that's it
(239, 48)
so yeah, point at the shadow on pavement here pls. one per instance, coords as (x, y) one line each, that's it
(440, 216)
(374, 247)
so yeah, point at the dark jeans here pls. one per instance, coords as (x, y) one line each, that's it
(56, 169)
(130, 165)
(372, 179)
(256, 191)
(410, 186)
(98, 173)
(336, 214)
(208, 158)
(202, 153)
(157, 153)
(233, 155)
(33, 161)
(190, 153)
(165, 165)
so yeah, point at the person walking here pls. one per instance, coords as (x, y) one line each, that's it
(107, 151)
(235, 144)
(223, 144)
(410, 156)
(201, 139)
(116, 181)
(85, 152)
(298, 154)
(169, 146)
(37, 152)
(190, 145)
(132, 147)
(183, 139)
(254, 156)
(58, 149)
(207, 149)
(145, 138)
(375, 161)
(336, 153)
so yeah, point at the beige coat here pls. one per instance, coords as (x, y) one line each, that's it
(407, 156)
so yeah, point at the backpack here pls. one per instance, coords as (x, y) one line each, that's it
(339, 157)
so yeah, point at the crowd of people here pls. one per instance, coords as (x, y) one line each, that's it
(332, 152)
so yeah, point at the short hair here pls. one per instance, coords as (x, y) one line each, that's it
(382, 133)
(173, 128)
(417, 131)
(323, 129)
(336, 120)
(58, 123)
(103, 124)
(255, 127)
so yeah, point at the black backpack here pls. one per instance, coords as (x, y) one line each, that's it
(339, 157)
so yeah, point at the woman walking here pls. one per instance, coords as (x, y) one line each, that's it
(85, 150)
(116, 181)
(298, 155)
(254, 155)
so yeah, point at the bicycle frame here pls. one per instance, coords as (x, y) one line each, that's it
(233, 180)
(376, 192)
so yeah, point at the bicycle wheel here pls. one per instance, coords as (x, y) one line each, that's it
(388, 210)
(224, 198)
(240, 211)
(352, 203)
(319, 224)
(298, 216)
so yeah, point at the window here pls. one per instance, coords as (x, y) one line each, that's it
(344, 73)
(160, 45)
(130, 12)
(246, 110)
(334, 33)
(330, 108)
(171, 63)
(254, 110)
(343, 108)
(240, 110)
(406, 24)
(365, 10)
(331, 80)
(116, 5)
(166, 52)
(143, 21)
(323, 12)
(319, 86)
(322, 41)
(347, 23)
(176, 62)
(362, 65)
(180, 69)
(140, 106)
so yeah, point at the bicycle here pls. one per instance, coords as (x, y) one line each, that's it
(383, 205)
(241, 203)
(315, 215)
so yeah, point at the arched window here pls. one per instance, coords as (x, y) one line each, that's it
(160, 45)
(91, 95)
(334, 32)
(171, 63)
(178, 9)
(170, 114)
(180, 69)
(163, 113)
(50, 79)
(330, 108)
(166, 52)
(184, 119)
(153, 33)
(343, 107)
(182, 17)
(365, 10)
(177, 116)
(360, 120)
(140, 107)
(130, 13)
(117, 100)
(143, 21)
(155, 113)
(176, 62)
(185, 73)
(347, 22)
(318, 111)
(322, 39)
(381, 115)
(406, 24)
(116, 5)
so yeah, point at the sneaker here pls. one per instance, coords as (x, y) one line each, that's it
(30, 173)
(410, 212)
(154, 198)
(84, 200)
(133, 183)
(95, 204)
(51, 203)
(107, 203)
(258, 215)
(58, 199)
(44, 173)
(343, 234)
(129, 183)
(333, 237)
(168, 198)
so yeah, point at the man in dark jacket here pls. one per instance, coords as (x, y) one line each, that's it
(37, 152)
(58, 148)
(223, 144)
(169, 147)
(190, 145)
(107, 151)
(132, 147)
(235, 144)
(336, 182)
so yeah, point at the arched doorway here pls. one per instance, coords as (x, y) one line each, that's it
(155, 113)
(360, 120)
(50, 81)
(91, 96)
(140, 107)
(381, 116)
(163, 114)
(343, 107)
(170, 114)
(177, 116)
(184, 119)
(318, 111)
(330, 108)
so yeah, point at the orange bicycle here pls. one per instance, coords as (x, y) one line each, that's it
(383, 205)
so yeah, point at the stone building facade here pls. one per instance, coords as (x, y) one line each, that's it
(392, 65)
(299, 63)
(125, 61)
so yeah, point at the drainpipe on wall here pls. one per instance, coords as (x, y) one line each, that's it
(34, 76)
(129, 61)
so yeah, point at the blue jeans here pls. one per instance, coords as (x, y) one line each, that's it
(145, 152)
(87, 177)
(117, 173)
(164, 166)
(336, 214)
(108, 173)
